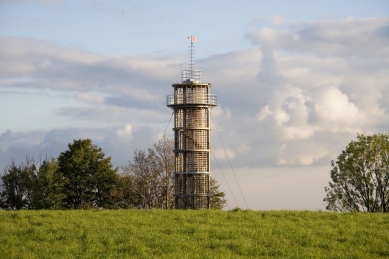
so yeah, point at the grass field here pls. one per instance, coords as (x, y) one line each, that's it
(192, 234)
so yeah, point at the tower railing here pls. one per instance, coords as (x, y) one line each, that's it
(180, 99)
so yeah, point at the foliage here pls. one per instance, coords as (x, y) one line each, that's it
(47, 190)
(217, 196)
(360, 176)
(164, 153)
(193, 234)
(151, 174)
(123, 193)
(32, 186)
(16, 187)
(89, 175)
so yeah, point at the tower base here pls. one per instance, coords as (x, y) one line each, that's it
(192, 191)
(192, 202)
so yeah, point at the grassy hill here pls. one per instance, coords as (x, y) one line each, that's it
(192, 234)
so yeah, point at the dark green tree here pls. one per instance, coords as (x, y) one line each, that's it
(360, 176)
(16, 186)
(47, 190)
(89, 175)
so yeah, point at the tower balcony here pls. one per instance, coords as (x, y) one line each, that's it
(191, 100)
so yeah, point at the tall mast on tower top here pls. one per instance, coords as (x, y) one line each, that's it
(191, 75)
(192, 52)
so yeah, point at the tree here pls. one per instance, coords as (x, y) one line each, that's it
(146, 170)
(47, 189)
(16, 187)
(152, 178)
(123, 193)
(217, 196)
(89, 175)
(30, 186)
(360, 176)
(165, 155)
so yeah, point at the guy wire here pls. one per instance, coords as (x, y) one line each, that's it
(164, 134)
(226, 182)
(229, 161)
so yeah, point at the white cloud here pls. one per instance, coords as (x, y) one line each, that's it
(117, 142)
(317, 89)
(299, 114)
(45, 65)
(126, 132)
(335, 112)
(303, 158)
(280, 117)
(89, 98)
(219, 112)
(264, 112)
(302, 132)
(222, 154)
(230, 70)
(345, 37)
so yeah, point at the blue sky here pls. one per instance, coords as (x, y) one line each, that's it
(147, 27)
(296, 80)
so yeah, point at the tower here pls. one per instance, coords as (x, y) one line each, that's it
(191, 104)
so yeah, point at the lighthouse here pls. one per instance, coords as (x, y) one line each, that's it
(191, 104)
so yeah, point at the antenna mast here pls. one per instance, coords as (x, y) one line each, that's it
(191, 53)
(191, 74)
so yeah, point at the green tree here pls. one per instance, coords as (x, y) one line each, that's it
(360, 176)
(217, 196)
(16, 187)
(123, 193)
(47, 190)
(89, 175)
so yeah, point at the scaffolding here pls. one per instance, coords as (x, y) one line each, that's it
(191, 103)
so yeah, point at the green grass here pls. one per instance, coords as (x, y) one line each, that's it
(192, 234)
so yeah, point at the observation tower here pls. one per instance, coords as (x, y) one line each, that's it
(192, 103)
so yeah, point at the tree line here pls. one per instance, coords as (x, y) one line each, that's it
(83, 177)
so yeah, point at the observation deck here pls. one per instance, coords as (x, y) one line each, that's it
(191, 100)
(191, 92)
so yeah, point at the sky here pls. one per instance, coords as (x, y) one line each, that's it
(295, 80)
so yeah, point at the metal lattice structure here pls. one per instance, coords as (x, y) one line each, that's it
(191, 103)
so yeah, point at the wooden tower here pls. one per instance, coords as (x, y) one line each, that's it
(191, 103)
